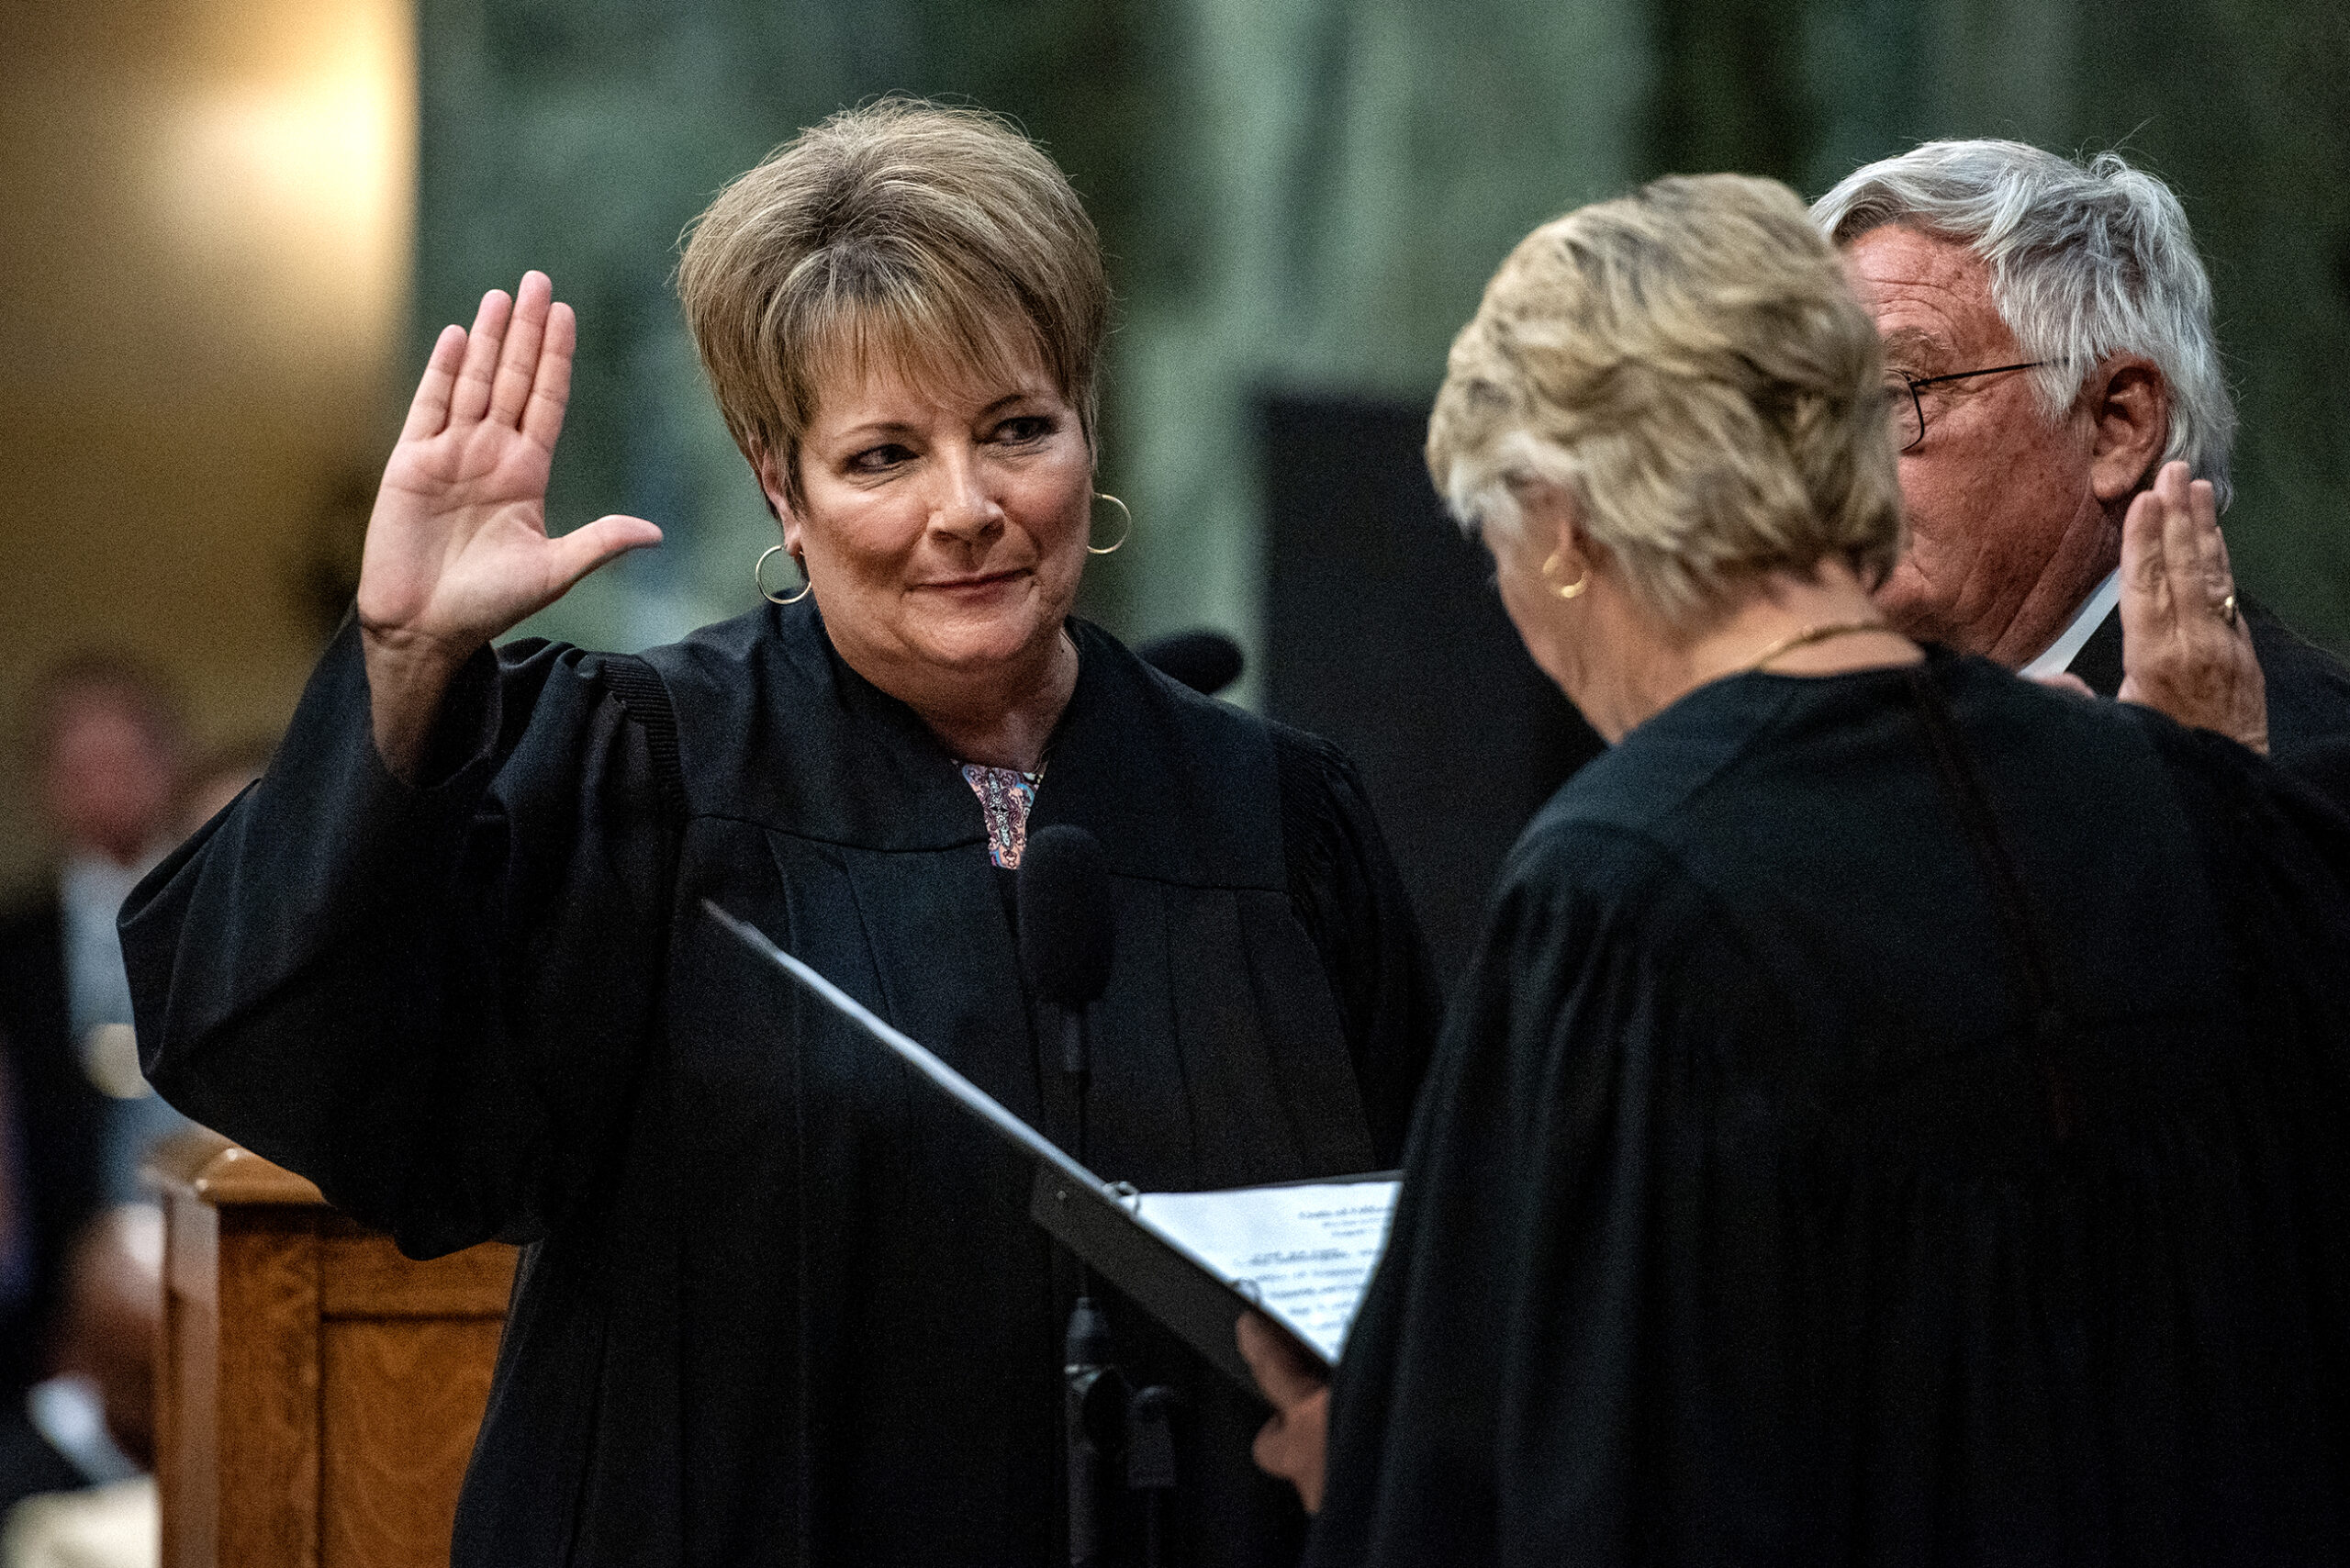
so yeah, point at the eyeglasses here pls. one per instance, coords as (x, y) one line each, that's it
(1909, 412)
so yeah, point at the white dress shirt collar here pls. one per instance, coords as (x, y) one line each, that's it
(2061, 652)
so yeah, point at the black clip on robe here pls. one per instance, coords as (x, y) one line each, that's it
(781, 1304)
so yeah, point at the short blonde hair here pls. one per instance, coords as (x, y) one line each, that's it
(1689, 363)
(936, 238)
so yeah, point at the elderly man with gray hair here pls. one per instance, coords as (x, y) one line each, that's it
(2065, 425)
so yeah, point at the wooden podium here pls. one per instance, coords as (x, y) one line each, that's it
(319, 1392)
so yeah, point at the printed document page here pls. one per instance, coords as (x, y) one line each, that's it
(1303, 1253)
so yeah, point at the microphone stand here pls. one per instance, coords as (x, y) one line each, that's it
(1093, 1391)
(1099, 1409)
(1064, 937)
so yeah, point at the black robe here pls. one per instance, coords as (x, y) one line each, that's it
(782, 1304)
(1752, 1217)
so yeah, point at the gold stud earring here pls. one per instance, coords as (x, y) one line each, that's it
(1093, 549)
(1564, 591)
(758, 577)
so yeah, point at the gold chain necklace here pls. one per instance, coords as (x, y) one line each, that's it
(1809, 636)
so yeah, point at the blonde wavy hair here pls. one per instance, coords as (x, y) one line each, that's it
(1689, 364)
(931, 238)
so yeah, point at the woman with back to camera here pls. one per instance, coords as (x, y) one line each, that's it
(782, 1305)
(1897, 1113)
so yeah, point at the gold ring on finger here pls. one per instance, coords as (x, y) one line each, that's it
(2228, 609)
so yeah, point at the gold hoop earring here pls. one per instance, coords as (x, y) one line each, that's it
(1568, 590)
(1093, 549)
(758, 576)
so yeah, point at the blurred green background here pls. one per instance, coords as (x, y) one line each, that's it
(1308, 194)
(233, 225)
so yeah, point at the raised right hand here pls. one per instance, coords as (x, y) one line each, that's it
(457, 548)
(2186, 648)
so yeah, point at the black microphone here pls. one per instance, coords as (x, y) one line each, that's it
(1066, 936)
(1205, 661)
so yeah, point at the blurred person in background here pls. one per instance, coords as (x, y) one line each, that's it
(29, 1462)
(450, 959)
(1897, 1113)
(103, 742)
(110, 1329)
(2048, 340)
(99, 1408)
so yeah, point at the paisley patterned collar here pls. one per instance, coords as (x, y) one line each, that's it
(1006, 797)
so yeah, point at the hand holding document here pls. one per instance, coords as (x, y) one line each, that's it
(1293, 1444)
(1301, 1254)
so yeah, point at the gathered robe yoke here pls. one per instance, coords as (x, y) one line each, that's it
(781, 1303)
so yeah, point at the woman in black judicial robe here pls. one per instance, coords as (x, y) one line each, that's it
(780, 1303)
(1897, 1113)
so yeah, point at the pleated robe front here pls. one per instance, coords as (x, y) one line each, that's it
(781, 1303)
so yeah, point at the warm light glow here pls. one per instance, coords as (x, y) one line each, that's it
(294, 191)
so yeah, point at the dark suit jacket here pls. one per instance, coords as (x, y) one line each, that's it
(2309, 695)
(63, 1117)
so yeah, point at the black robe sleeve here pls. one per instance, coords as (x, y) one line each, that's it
(1345, 888)
(365, 982)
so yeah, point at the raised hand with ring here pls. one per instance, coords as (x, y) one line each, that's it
(2177, 655)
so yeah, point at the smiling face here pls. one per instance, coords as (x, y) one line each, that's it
(942, 520)
(2006, 531)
